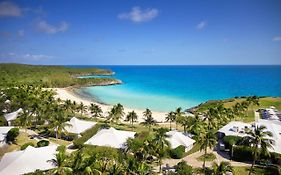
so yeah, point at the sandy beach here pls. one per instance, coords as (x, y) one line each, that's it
(67, 93)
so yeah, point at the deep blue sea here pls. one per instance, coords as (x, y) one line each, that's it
(164, 88)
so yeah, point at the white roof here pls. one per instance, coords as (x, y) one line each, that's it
(28, 160)
(3, 132)
(235, 128)
(275, 128)
(13, 115)
(78, 126)
(111, 138)
(178, 138)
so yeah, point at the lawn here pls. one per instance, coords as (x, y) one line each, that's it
(209, 157)
(257, 171)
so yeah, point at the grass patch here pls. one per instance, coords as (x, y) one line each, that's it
(209, 157)
(59, 141)
(257, 170)
(195, 148)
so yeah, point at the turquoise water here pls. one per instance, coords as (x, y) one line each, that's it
(164, 88)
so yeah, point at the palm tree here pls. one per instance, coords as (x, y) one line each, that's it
(160, 143)
(96, 110)
(58, 121)
(116, 113)
(60, 162)
(132, 117)
(82, 108)
(68, 106)
(148, 119)
(258, 138)
(206, 139)
(170, 118)
(179, 114)
(222, 168)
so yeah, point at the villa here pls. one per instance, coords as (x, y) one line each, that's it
(177, 138)
(3, 132)
(28, 160)
(111, 138)
(239, 129)
(78, 126)
(12, 116)
(271, 113)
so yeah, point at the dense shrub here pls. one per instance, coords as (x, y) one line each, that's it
(24, 146)
(178, 152)
(183, 169)
(12, 135)
(86, 135)
(3, 121)
(231, 140)
(42, 143)
(242, 153)
(276, 158)
(102, 151)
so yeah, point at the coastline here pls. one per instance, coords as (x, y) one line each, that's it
(70, 94)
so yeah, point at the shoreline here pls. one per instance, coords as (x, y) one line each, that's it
(70, 94)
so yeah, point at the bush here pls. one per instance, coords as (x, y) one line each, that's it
(102, 151)
(275, 158)
(242, 153)
(42, 143)
(178, 152)
(79, 142)
(24, 146)
(231, 140)
(183, 169)
(3, 121)
(12, 135)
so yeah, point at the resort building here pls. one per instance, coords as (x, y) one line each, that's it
(177, 138)
(271, 113)
(28, 160)
(12, 116)
(111, 138)
(78, 126)
(239, 129)
(3, 132)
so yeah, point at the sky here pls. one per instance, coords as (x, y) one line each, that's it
(141, 32)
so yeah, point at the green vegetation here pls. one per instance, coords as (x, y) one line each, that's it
(258, 170)
(12, 135)
(208, 157)
(51, 76)
(43, 143)
(178, 152)
(24, 146)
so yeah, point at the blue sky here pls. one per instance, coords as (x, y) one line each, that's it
(144, 32)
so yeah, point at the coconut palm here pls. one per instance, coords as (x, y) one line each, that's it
(170, 118)
(179, 114)
(116, 113)
(96, 110)
(68, 106)
(222, 168)
(132, 117)
(148, 119)
(82, 108)
(160, 142)
(206, 139)
(258, 137)
(60, 161)
(58, 121)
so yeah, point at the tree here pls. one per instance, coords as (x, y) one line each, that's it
(58, 121)
(148, 119)
(206, 139)
(96, 110)
(132, 117)
(179, 114)
(171, 118)
(222, 168)
(12, 135)
(258, 138)
(160, 142)
(82, 108)
(68, 106)
(60, 162)
(116, 113)
(183, 169)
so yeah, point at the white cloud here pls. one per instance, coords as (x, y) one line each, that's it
(6, 57)
(139, 15)
(276, 38)
(45, 27)
(201, 25)
(9, 9)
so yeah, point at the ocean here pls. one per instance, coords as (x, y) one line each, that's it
(164, 88)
